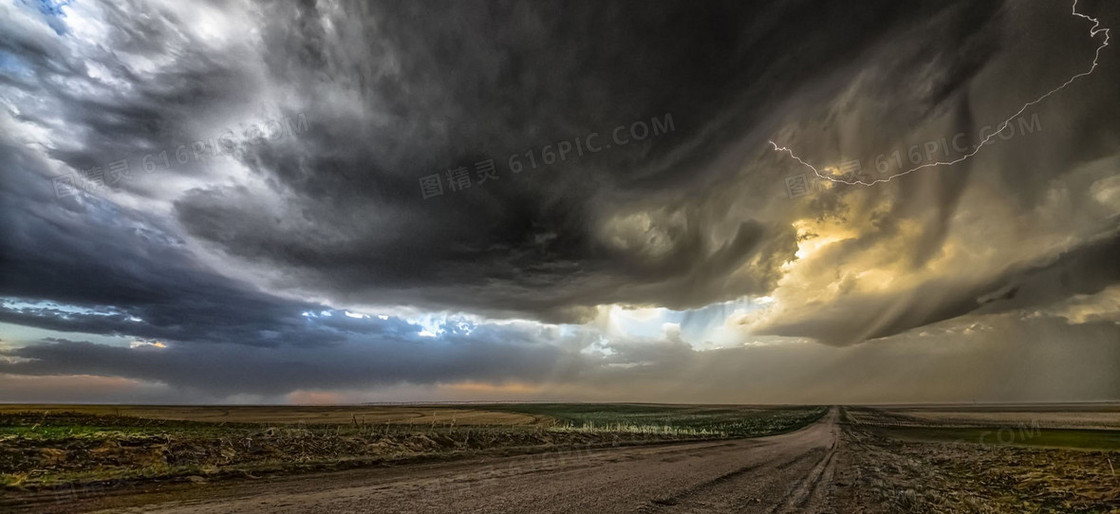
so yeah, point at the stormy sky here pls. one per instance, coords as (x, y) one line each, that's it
(325, 201)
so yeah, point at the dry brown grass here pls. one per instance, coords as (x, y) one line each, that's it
(881, 473)
(46, 447)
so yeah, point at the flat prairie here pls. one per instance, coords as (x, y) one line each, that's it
(108, 449)
(560, 458)
(359, 414)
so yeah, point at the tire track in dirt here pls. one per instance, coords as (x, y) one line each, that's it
(811, 487)
(691, 499)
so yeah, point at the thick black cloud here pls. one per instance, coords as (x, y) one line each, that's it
(397, 91)
(434, 89)
(430, 89)
(96, 255)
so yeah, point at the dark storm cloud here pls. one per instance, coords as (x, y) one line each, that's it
(397, 91)
(128, 276)
(431, 89)
(427, 89)
(84, 264)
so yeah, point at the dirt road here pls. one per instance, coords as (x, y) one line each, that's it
(784, 473)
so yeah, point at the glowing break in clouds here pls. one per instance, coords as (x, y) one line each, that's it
(1093, 31)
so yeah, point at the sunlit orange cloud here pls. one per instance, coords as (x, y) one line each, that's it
(302, 397)
(513, 388)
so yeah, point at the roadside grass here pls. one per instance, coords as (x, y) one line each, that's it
(54, 448)
(48, 449)
(589, 428)
(690, 421)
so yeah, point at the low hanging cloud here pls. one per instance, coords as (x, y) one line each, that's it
(990, 359)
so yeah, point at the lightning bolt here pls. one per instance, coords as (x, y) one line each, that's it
(1093, 31)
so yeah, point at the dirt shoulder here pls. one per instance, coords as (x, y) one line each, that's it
(879, 473)
(81, 468)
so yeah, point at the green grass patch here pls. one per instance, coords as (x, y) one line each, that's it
(1021, 435)
(689, 421)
